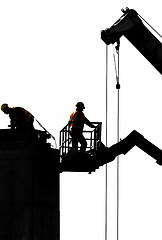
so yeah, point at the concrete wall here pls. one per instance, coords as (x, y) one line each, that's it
(29, 191)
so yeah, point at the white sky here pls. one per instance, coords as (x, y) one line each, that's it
(51, 56)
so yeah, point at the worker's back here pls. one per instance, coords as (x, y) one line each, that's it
(21, 118)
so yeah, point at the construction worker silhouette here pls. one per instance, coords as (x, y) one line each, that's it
(76, 122)
(20, 118)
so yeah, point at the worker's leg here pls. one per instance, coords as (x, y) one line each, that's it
(77, 136)
(83, 143)
(74, 143)
(74, 139)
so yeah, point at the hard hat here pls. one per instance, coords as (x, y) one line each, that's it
(3, 106)
(80, 104)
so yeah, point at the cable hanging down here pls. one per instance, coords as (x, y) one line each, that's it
(118, 121)
(46, 131)
(151, 26)
(118, 125)
(106, 170)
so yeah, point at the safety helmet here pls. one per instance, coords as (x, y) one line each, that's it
(80, 104)
(3, 106)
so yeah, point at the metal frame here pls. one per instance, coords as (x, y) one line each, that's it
(93, 139)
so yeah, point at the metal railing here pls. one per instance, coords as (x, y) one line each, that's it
(92, 136)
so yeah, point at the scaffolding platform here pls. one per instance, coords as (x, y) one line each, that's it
(75, 160)
(79, 162)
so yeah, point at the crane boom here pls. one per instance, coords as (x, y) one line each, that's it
(106, 155)
(131, 26)
(92, 160)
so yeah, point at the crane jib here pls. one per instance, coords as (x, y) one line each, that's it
(131, 26)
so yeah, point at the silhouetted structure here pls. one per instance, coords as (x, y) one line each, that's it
(29, 177)
(29, 186)
(76, 160)
(106, 155)
(97, 155)
(131, 26)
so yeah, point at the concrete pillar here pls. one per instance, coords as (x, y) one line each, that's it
(29, 187)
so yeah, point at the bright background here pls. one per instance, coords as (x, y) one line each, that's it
(51, 57)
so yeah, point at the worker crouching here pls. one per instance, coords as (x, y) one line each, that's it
(20, 118)
(76, 123)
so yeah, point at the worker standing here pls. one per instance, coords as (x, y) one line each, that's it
(76, 123)
(20, 118)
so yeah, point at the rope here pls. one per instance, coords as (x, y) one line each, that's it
(118, 128)
(106, 170)
(106, 92)
(150, 26)
(46, 131)
(118, 122)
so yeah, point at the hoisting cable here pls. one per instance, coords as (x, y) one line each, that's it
(106, 142)
(46, 131)
(118, 127)
(151, 26)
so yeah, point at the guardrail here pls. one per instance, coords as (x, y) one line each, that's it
(92, 136)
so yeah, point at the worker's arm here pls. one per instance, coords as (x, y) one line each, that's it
(87, 122)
